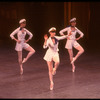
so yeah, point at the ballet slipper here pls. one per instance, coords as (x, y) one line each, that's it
(51, 86)
(24, 60)
(73, 60)
(73, 69)
(21, 71)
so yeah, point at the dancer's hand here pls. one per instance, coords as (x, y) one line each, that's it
(45, 37)
(26, 40)
(77, 38)
(45, 42)
(18, 41)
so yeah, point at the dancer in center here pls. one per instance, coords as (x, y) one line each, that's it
(52, 55)
(72, 41)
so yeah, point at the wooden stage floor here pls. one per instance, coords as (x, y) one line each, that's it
(34, 83)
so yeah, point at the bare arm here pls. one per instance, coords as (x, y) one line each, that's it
(13, 33)
(30, 35)
(81, 34)
(63, 30)
(45, 45)
(63, 37)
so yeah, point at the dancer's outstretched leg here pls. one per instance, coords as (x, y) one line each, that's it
(80, 51)
(31, 52)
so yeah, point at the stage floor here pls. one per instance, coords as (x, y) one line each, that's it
(34, 83)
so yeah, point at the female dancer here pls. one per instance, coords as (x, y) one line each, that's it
(21, 43)
(52, 53)
(72, 41)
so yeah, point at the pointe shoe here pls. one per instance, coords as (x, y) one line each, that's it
(52, 86)
(73, 69)
(21, 71)
(24, 60)
(54, 71)
(73, 60)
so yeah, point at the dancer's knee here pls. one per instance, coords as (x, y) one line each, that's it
(32, 51)
(82, 51)
(57, 63)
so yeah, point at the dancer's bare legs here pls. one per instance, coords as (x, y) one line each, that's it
(20, 61)
(80, 51)
(50, 68)
(70, 51)
(31, 52)
(56, 61)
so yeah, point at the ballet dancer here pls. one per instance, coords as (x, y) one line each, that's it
(72, 41)
(52, 55)
(21, 43)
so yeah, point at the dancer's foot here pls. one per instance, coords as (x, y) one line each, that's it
(21, 71)
(73, 60)
(24, 60)
(73, 69)
(51, 86)
(54, 71)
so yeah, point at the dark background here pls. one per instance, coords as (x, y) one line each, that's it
(41, 16)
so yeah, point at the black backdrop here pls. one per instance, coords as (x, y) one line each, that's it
(40, 17)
